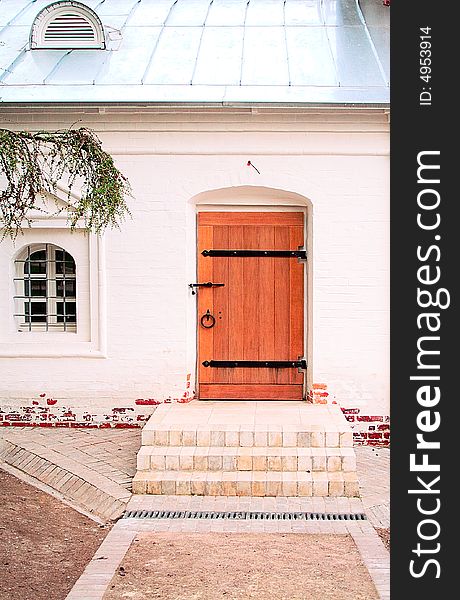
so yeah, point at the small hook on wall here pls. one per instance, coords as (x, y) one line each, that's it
(249, 164)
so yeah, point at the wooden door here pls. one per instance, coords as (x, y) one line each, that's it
(258, 312)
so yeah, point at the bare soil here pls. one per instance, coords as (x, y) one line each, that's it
(212, 566)
(384, 535)
(44, 544)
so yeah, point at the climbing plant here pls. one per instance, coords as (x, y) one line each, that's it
(34, 163)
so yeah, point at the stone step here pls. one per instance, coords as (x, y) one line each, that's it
(271, 436)
(232, 458)
(246, 483)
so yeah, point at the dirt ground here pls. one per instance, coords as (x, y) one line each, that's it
(229, 566)
(384, 535)
(45, 545)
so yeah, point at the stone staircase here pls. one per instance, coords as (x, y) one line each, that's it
(266, 452)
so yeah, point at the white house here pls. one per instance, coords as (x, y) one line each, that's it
(254, 130)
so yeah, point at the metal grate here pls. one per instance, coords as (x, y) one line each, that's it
(243, 515)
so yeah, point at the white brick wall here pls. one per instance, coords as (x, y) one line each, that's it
(334, 164)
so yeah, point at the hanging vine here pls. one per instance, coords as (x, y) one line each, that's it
(34, 163)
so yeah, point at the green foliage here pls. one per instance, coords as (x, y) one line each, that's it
(33, 163)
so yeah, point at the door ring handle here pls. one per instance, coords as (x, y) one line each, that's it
(208, 317)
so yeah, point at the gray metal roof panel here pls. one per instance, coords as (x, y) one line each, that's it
(376, 17)
(311, 60)
(212, 51)
(340, 13)
(119, 66)
(381, 38)
(12, 45)
(265, 57)
(76, 68)
(354, 57)
(303, 12)
(20, 12)
(188, 13)
(8, 10)
(115, 7)
(150, 14)
(32, 69)
(219, 59)
(265, 12)
(231, 13)
(174, 58)
(171, 94)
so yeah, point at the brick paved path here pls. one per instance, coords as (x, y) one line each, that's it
(373, 465)
(92, 468)
(105, 459)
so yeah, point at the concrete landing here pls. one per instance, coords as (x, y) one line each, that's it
(254, 448)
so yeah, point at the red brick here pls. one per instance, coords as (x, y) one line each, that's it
(148, 401)
(370, 418)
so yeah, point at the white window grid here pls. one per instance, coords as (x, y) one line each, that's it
(45, 289)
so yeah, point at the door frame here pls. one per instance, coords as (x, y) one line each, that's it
(307, 337)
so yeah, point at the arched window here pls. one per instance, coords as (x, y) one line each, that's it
(45, 289)
(67, 24)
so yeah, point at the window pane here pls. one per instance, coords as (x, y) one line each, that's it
(65, 285)
(35, 312)
(35, 287)
(64, 263)
(36, 263)
(66, 311)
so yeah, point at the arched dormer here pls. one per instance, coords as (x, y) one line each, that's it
(67, 25)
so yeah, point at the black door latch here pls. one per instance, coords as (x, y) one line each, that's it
(208, 284)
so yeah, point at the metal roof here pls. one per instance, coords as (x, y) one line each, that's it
(207, 51)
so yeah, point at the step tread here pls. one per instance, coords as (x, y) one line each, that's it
(249, 483)
(244, 450)
(245, 475)
(247, 438)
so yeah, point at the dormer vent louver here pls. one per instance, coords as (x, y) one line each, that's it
(64, 25)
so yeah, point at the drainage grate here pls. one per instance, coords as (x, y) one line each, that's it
(243, 515)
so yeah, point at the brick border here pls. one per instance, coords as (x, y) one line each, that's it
(76, 483)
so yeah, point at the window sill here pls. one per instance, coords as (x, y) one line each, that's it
(63, 354)
(53, 346)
